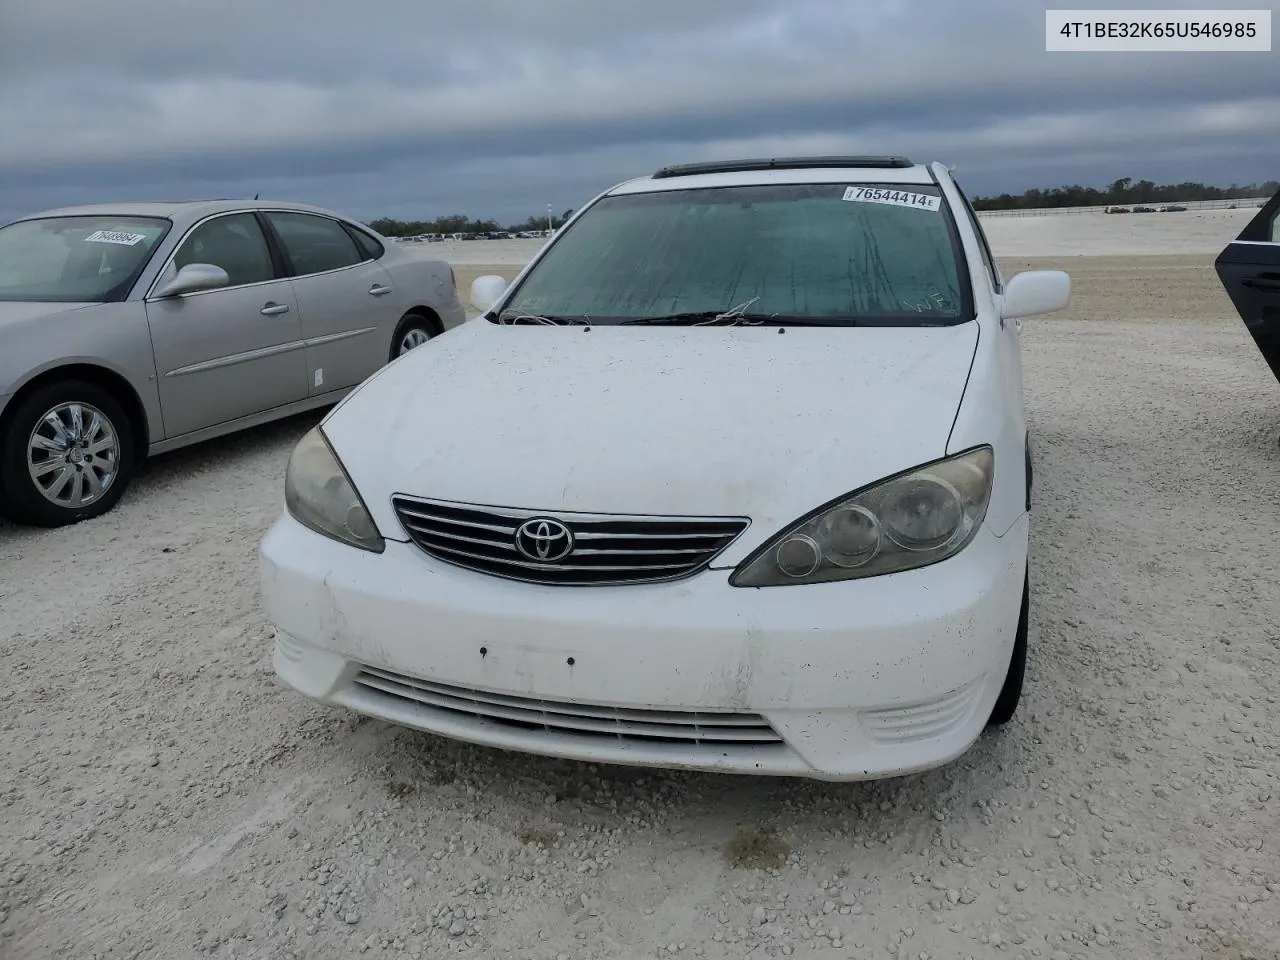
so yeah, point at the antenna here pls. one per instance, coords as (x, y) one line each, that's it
(255, 196)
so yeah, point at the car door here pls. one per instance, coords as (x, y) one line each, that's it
(347, 301)
(230, 352)
(1249, 270)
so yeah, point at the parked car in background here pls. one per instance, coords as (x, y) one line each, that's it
(747, 488)
(1249, 269)
(131, 329)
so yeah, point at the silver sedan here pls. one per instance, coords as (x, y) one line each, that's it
(132, 329)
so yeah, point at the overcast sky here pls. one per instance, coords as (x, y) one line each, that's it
(418, 108)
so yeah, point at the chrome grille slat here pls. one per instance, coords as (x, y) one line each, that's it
(455, 536)
(533, 565)
(572, 718)
(427, 530)
(593, 551)
(587, 535)
(475, 526)
(608, 549)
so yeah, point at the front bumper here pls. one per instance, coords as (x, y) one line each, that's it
(840, 681)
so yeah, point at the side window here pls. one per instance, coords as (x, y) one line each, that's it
(987, 258)
(315, 244)
(1275, 227)
(233, 242)
(370, 247)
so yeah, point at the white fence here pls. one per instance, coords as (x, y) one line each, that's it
(1189, 204)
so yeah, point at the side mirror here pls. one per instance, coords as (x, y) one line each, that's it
(486, 290)
(1034, 292)
(194, 277)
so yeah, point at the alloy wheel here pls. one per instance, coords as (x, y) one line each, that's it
(73, 455)
(413, 337)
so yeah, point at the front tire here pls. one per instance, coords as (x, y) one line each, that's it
(67, 456)
(1011, 692)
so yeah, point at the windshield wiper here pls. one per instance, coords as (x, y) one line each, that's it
(734, 316)
(698, 318)
(711, 318)
(542, 320)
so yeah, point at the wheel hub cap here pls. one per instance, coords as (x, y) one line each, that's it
(412, 339)
(73, 455)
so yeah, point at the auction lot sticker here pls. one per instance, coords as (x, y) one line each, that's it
(113, 236)
(898, 198)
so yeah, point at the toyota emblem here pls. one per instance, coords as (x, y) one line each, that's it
(544, 540)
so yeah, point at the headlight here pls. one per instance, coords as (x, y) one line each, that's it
(907, 521)
(319, 494)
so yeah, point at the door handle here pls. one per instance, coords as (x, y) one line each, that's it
(271, 309)
(378, 290)
(1264, 282)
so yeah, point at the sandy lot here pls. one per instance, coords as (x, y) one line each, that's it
(1103, 234)
(163, 798)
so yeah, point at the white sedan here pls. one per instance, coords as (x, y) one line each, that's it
(733, 476)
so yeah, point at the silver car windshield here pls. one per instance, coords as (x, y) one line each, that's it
(89, 259)
(814, 253)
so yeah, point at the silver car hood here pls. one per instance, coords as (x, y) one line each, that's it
(18, 311)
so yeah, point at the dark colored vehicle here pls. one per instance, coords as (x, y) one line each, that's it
(1249, 269)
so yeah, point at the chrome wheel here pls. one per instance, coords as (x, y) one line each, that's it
(413, 337)
(73, 455)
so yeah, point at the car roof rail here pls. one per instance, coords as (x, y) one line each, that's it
(781, 163)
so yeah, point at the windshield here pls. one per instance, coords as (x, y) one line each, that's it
(817, 253)
(91, 259)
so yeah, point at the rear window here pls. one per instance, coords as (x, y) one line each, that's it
(837, 253)
(90, 259)
(315, 244)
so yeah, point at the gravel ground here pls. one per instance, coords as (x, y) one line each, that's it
(164, 798)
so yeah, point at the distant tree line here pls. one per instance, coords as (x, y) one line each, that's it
(460, 223)
(1122, 191)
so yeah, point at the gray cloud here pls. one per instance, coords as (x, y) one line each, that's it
(496, 108)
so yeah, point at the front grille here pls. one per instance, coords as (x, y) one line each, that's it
(577, 719)
(605, 549)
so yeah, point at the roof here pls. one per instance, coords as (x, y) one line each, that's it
(186, 210)
(740, 173)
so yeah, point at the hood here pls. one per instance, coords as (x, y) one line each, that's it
(695, 421)
(19, 311)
